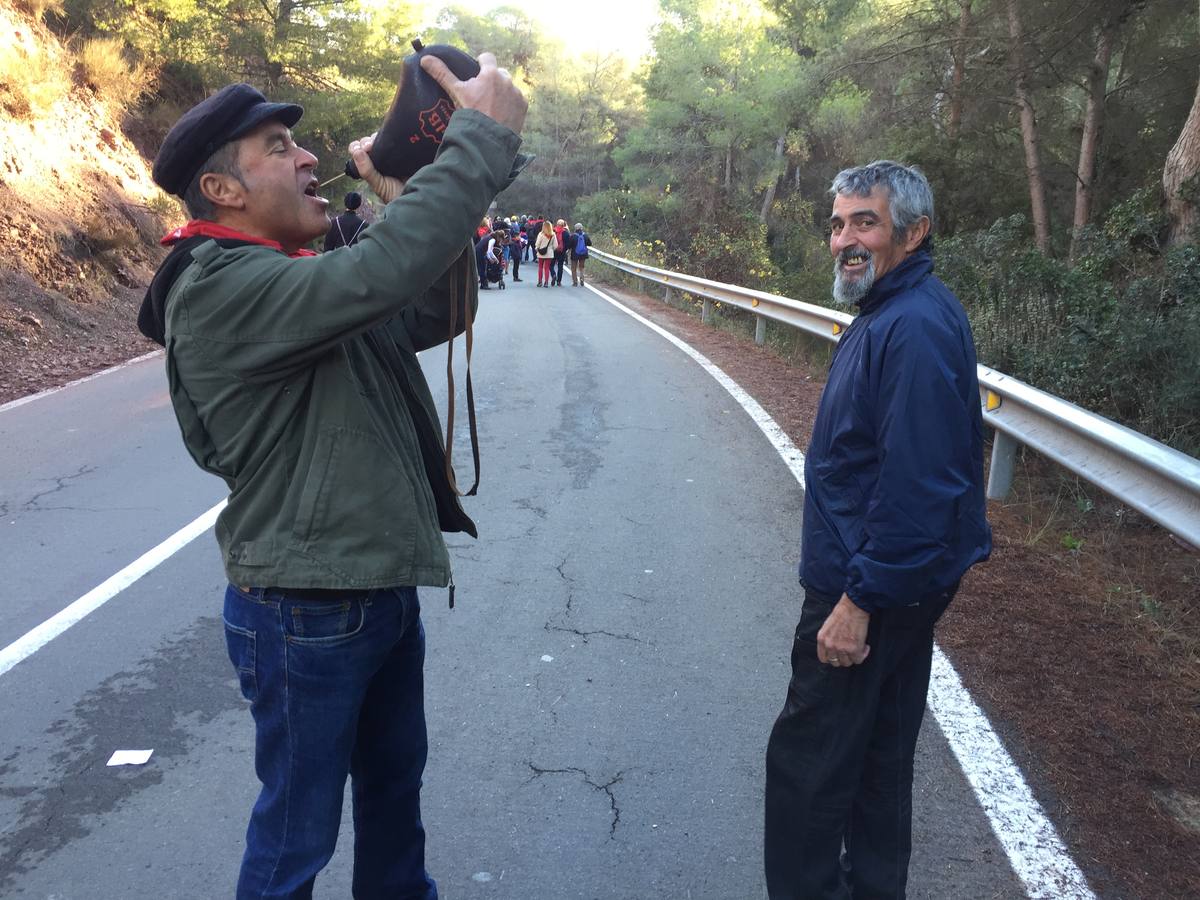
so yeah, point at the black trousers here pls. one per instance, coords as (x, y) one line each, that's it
(840, 760)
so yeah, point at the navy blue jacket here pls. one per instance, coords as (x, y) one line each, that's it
(894, 501)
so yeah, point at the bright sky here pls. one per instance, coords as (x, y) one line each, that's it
(588, 26)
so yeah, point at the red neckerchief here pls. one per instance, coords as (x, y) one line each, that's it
(204, 228)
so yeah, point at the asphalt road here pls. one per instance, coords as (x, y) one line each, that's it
(598, 700)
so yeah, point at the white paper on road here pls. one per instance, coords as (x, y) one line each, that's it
(129, 757)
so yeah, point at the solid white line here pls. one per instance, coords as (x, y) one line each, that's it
(33, 640)
(1037, 854)
(1029, 838)
(21, 401)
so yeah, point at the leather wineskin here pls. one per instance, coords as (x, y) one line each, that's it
(412, 129)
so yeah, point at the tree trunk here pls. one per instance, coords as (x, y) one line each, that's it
(773, 187)
(280, 32)
(1033, 163)
(728, 168)
(954, 126)
(1093, 122)
(1183, 163)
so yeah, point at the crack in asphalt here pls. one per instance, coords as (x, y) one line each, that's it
(538, 772)
(61, 482)
(526, 504)
(562, 565)
(586, 634)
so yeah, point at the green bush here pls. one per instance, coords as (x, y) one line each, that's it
(1117, 331)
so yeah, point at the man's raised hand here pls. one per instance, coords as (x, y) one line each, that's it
(491, 92)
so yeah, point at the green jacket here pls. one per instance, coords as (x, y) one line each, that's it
(297, 382)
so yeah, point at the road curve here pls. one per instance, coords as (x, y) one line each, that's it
(598, 700)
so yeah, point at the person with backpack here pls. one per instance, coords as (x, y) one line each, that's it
(525, 237)
(346, 229)
(516, 249)
(562, 238)
(579, 253)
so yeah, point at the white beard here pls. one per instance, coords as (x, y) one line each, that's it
(847, 291)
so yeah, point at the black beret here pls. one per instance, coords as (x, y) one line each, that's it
(226, 116)
(412, 130)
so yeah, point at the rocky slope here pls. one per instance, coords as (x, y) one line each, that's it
(80, 218)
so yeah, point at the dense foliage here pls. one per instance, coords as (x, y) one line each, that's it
(1056, 133)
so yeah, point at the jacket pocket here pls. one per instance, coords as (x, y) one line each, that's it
(357, 511)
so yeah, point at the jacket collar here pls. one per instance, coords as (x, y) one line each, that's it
(152, 315)
(911, 271)
(204, 228)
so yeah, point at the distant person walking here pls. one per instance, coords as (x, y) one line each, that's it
(346, 229)
(580, 242)
(561, 238)
(544, 246)
(518, 246)
(894, 515)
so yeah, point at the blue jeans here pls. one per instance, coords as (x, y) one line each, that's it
(335, 687)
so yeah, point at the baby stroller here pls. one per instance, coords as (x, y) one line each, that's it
(495, 273)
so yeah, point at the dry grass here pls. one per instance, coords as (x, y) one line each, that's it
(104, 68)
(31, 80)
(105, 233)
(38, 8)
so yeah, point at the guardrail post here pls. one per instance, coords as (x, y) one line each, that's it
(706, 312)
(760, 330)
(667, 295)
(1000, 476)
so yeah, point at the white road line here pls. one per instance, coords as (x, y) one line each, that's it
(33, 640)
(21, 401)
(1037, 854)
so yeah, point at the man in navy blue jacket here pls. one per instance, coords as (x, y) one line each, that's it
(893, 518)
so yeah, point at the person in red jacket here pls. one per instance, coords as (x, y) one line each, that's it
(561, 237)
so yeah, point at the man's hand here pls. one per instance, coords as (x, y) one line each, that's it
(842, 640)
(387, 187)
(491, 92)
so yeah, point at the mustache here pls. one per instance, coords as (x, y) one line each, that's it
(844, 256)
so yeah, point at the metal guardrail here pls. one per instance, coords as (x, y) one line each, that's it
(1156, 480)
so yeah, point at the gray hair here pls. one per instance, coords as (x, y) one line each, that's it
(909, 195)
(224, 161)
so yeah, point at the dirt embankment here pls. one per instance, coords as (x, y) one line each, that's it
(80, 218)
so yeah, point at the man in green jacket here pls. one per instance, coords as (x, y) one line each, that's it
(294, 378)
